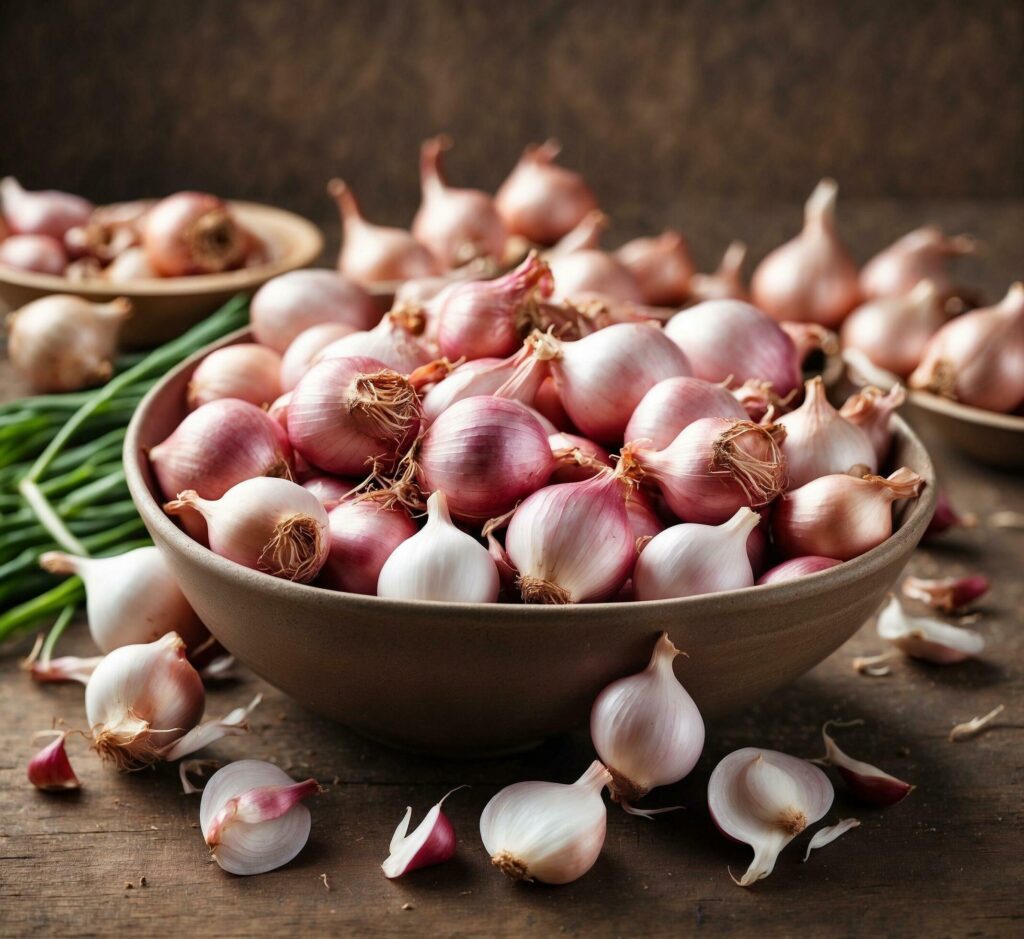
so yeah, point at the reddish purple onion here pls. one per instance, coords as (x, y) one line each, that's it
(675, 403)
(795, 568)
(363, 534)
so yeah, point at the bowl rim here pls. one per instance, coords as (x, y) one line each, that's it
(965, 412)
(912, 527)
(306, 245)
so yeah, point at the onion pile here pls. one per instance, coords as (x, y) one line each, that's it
(484, 442)
(187, 233)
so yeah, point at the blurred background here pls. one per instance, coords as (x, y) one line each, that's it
(715, 117)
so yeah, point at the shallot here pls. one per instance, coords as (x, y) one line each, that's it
(919, 255)
(840, 516)
(646, 728)
(44, 212)
(542, 201)
(925, 638)
(867, 782)
(38, 253)
(871, 410)
(547, 831)
(456, 225)
(795, 568)
(675, 403)
(193, 233)
(439, 563)
(306, 347)
(726, 283)
(947, 594)
(811, 278)
(363, 533)
(50, 769)
(433, 842)
(65, 343)
(395, 341)
(245, 371)
(662, 267)
(372, 253)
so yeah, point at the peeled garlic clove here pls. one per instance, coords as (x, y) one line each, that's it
(50, 769)
(433, 842)
(764, 799)
(827, 835)
(928, 639)
(646, 728)
(547, 831)
(867, 782)
(946, 593)
(252, 816)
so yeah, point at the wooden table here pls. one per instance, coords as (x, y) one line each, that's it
(947, 861)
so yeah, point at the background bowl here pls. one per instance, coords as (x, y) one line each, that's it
(472, 678)
(986, 436)
(166, 307)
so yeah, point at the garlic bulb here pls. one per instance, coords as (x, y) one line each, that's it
(440, 562)
(646, 728)
(547, 831)
(252, 816)
(144, 703)
(130, 598)
(65, 343)
(141, 699)
(764, 798)
(690, 559)
(921, 637)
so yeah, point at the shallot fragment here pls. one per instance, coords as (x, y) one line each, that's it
(50, 769)
(867, 782)
(975, 725)
(433, 842)
(947, 594)
(929, 639)
(828, 834)
(764, 799)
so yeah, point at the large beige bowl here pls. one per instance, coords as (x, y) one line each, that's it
(165, 307)
(470, 678)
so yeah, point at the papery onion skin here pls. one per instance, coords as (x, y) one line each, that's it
(43, 212)
(921, 254)
(661, 265)
(603, 377)
(795, 568)
(714, 467)
(486, 454)
(840, 516)
(872, 412)
(39, 253)
(192, 233)
(246, 371)
(673, 404)
(540, 200)
(456, 225)
(480, 319)
(347, 413)
(819, 441)
(373, 254)
(978, 358)
(552, 537)
(578, 458)
(363, 535)
(893, 331)
(729, 340)
(219, 445)
(304, 349)
(811, 278)
(289, 304)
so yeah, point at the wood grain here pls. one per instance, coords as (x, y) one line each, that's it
(947, 861)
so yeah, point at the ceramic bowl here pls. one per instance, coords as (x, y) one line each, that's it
(986, 436)
(166, 307)
(474, 679)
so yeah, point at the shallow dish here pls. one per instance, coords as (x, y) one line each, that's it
(166, 307)
(987, 436)
(473, 678)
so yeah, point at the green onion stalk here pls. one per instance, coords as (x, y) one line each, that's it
(62, 483)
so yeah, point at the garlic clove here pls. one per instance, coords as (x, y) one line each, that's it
(947, 594)
(925, 638)
(433, 842)
(50, 769)
(867, 782)
(646, 728)
(764, 799)
(547, 831)
(252, 816)
(827, 835)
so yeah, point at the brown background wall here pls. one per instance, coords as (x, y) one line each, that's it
(659, 103)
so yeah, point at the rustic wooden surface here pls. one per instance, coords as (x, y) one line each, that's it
(947, 861)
